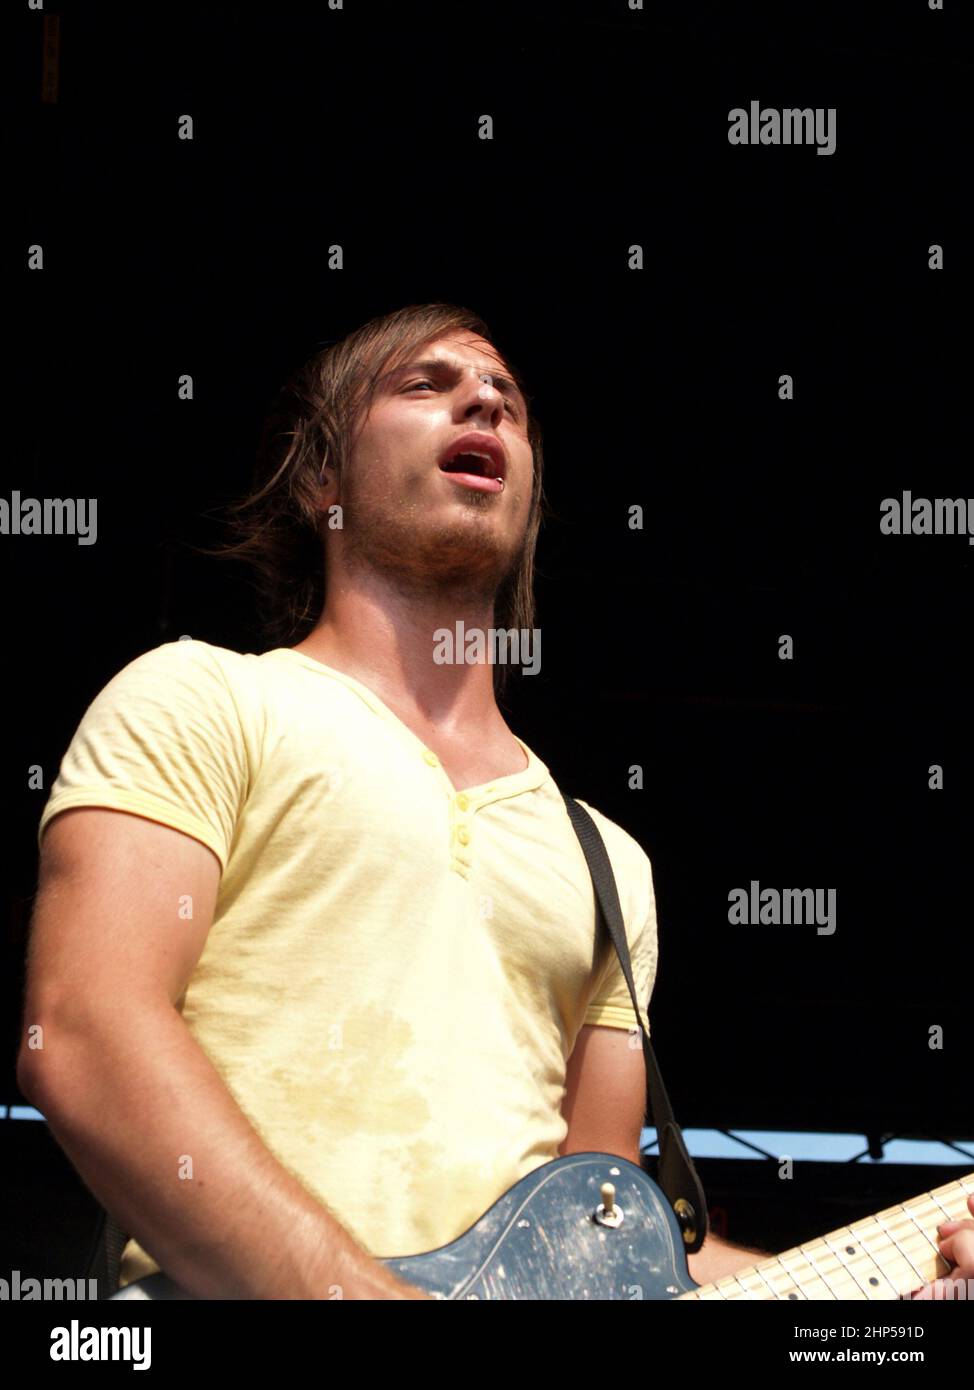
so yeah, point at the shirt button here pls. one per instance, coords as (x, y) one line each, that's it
(463, 802)
(431, 758)
(463, 835)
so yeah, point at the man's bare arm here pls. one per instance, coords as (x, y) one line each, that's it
(130, 1095)
(604, 1108)
(717, 1257)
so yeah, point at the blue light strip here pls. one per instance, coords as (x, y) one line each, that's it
(813, 1146)
(801, 1145)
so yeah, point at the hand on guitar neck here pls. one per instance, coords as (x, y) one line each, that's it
(955, 1240)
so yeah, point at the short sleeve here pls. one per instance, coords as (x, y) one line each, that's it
(164, 740)
(611, 1005)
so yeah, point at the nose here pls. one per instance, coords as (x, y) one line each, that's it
(483, 397)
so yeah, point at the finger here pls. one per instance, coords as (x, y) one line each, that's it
(962, 1244)
(959, 1249)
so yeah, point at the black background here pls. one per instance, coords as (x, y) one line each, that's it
(656, 387)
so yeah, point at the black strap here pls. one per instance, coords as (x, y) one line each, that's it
(676, 1174)
(104, 1264)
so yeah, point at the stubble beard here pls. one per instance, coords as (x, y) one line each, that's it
(458, 561)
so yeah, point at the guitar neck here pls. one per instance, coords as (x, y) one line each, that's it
(881, 1257)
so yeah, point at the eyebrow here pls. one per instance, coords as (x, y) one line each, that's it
(441, 365)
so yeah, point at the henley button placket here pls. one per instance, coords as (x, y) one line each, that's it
(460, 820)
(463, 808)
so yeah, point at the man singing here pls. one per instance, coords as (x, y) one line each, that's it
(314, 959)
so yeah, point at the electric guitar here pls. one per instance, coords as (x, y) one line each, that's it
(593, 1226)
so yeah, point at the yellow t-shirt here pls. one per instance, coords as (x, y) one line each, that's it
(396, 972)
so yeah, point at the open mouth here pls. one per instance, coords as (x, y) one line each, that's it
(476, 464)
(476, 460)
(462, 470)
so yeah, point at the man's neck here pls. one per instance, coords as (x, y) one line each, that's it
(387, 641)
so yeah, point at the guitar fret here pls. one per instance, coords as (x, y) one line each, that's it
(880, 1257)
(940, 1205)
(951, 1191)
(730, 1286)
(812, 1282)
(920, 1278)
(926, 1213)
(754, 1286)
(857, 1259)
(918, 1247)
(941, 1265)
(887, 1256)
(923, 1213)
(828, 1265)
(954, 1205)
(760, 1272)
(892, 1270)
(930, 1241)
(791, 1287)
(907, 1234)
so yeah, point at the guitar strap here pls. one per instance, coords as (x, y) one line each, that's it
(676, 1174)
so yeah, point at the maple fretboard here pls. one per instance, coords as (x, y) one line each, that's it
(885, 1256)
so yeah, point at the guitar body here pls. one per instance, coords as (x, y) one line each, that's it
(541, 1240)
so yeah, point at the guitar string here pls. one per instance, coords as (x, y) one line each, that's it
(858, 1233)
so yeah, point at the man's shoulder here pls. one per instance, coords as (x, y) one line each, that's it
(168, 681)
(189, 659)
(619, 842)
